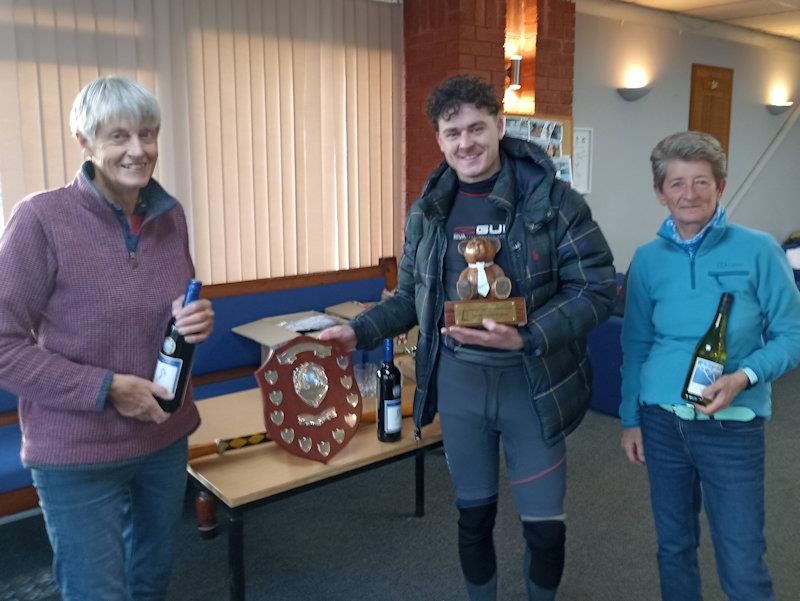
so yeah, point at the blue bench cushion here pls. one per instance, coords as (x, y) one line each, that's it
(225, 350)
(8, 402)
(225, 387)
(13, 475)
(605, 353)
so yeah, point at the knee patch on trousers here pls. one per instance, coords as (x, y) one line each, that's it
(546, 545)
(475, 542)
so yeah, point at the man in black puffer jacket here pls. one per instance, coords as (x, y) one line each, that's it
(528, 386)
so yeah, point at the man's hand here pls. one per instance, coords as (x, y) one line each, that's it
(722, 392)
(631, 443)
(343, 335)
(195, 321)
(133, 397)
(494, 335)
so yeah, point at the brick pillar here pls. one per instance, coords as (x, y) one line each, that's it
(444, 38)
(555, 56)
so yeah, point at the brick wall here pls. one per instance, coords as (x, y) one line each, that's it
(444, 38)
(447, 37)
(555, 56)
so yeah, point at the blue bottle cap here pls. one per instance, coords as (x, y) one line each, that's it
(192, 291)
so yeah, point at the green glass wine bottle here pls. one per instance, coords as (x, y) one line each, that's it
(709, 357)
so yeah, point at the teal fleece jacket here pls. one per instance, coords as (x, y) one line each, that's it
(672, 300)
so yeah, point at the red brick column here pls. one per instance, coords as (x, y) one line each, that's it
(444, 38)
(555, 56)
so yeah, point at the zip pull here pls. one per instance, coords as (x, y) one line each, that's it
(133, 260)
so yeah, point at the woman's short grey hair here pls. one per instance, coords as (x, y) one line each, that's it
(688, 146)
(109, 99)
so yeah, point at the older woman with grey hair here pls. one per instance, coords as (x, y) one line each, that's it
(92, 273)
(709, 453)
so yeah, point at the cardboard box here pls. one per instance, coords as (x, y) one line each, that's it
(273, 331)
(348, 310)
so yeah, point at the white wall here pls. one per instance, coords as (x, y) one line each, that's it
(609, 36)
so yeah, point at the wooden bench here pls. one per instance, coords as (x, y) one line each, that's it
(253, 476)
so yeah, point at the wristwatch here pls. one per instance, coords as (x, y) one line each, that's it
(752, 378)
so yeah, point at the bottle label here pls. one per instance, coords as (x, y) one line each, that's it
(392, 416)
(168, 370)
(704, 373)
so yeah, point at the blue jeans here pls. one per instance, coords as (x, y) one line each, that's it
(111, 526)
(721, 465)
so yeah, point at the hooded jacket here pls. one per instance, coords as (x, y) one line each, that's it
(561, 266)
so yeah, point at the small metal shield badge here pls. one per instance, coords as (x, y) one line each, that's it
(311, 407)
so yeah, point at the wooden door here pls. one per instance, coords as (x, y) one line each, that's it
(710, 104)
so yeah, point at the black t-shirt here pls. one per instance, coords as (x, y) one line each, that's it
(471, 215)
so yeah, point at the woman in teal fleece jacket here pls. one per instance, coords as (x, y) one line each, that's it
(712, 455)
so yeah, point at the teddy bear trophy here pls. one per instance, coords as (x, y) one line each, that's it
(483, 288)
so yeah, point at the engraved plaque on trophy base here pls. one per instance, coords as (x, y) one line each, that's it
(471, 313)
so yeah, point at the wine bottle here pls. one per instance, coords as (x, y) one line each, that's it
(174, 364)
(388, 413)
(709, 357)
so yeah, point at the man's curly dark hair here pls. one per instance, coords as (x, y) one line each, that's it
(446, 99)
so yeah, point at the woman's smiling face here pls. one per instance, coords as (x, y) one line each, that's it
(124, 155)
(691, 194)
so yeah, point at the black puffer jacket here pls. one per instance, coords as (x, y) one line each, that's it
(562, 266)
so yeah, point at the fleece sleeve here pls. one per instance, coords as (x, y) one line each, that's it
(28, 270)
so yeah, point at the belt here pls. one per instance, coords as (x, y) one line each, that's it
(688, 412)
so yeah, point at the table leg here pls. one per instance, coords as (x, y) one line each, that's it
(206, 513)
(236, 555)
(419, 475)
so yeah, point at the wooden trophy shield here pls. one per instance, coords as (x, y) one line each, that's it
(483, 289)
(312, 405)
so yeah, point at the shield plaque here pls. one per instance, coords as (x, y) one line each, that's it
(312, 405)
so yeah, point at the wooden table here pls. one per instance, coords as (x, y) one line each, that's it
(253, 476)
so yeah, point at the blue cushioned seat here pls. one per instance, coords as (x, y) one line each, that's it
(13, 475)
(226, 350)
(605, 353)
(8, 402)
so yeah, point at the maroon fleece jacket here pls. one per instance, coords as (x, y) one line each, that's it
(75, 307)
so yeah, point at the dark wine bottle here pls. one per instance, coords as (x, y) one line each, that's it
(174, 364)
(709, 357)
(388, 413)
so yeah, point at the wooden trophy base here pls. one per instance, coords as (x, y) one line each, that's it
(471, 313)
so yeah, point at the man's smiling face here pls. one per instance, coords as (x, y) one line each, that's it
(470, 142)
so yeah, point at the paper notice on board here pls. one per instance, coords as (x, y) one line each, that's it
(582, 159)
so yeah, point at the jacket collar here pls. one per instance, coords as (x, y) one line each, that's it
(158, 200)
(526, 172)
(714, 230)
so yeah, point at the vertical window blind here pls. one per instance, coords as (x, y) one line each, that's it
(280, 119)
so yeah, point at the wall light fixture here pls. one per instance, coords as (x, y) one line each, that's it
(779, 107)
(516, 63)
(631, 94)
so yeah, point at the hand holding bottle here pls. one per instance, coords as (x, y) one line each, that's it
(722, 392)
(195, 321)
(134, 397)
